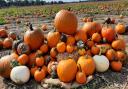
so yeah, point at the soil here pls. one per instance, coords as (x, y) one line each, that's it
(107, 80)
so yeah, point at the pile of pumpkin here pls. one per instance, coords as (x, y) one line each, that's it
(6, 38)
(65, 53)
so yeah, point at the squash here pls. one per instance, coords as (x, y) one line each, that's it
(61, 47)
(95, 50)
(118, 44)
(65, 22)
(96, 37)
(87, 64)
(120, 28)
(53, 52)
(39, 61)
(101, 62)
(66, 70)
(108, 33)
(23, 59)
(53, 38)
(116, 66)
(20, 74)
(69, 48)
(44, 48)
(7, 43)
(34, 38)
(12, 35)
(111, 54)
(3, 33)
(5, 66)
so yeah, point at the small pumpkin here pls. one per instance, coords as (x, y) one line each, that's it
(45, 69)
(87, 64)
(33, 69)
(108, 33)
(3, 33)
(44, 48)
(69, 48)
(53, 52)
(32, 58)
(96, 37)
(120, 28)
(20, 74)
(119, 44)
(14, 55)
(53, 38)
(7, 43)
(44, 27)
(39, 75)
(95, 50)
(12, 35)
(34, 38)
(116, 66)
(90, 43)
(23, 48)
(121, 56)
(66, 70)
(81, 51)
(23, 59)
(65, 22)
(39, 61)
(61, 47)
(70, 40)
(111, 54)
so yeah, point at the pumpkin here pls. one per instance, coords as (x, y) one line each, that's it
(66, 70)
(89, 19)
(80, 76)
(23, 59)
(32, 58)
(34, 38)
(39, 61)
(45, 69)
(113, 21)
(121, 56)
(81, 51)
(104, 47)
(7, 43)
(69, 48)
(95, 50)
(20, 74)
(61, 47)
(65, 22)
(39, 75)
(47, 59)
(116, 66)
(3, 33)
(44, 48)
(5, 66)
(12, 35)
(44, 27)
(14, 55)
(90, 43)
(88, 52)
(120, 28)
(119, 44)
(53, 52)
(96, 37)
(81, 35)
(87, 64)
(33, 69)
(1, 44)
(111, 54)
(101, 62)
(108, 33)
(70, 40)
(53, 38)
(23, 48)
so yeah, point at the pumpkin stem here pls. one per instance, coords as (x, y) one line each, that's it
(79, 67)
(31, 27)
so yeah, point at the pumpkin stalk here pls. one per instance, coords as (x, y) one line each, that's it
(31, 27)
(79, 67)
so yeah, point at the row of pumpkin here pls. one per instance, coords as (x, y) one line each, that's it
(65, 53)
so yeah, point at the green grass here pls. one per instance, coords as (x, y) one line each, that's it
(2, 21)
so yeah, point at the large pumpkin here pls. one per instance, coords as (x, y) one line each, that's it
(66, 70)
(87, 64)
(34, 38)
(108, 33)
(5, 66)
(65, 22)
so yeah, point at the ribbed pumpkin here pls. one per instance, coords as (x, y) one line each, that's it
(5, 66)
(65, 22)
(34, 38)
(67, 70)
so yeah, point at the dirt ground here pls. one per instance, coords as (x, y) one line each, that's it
(107, 80)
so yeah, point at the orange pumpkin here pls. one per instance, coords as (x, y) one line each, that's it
(66, 70)
(61, 47)
(95, 50)
(32, 58)
(1, 44)
(70, 40)
(39, 61)
(44, 27)
(32, 70)
(23, 59)
(108, 33)
(34, 38)
(69, 48)
(81, 35)
(121, 56)
(3, 33)
(14, 55)
(44, 48)
(53, 38)
(90, 43)
(82, 52)
(65, 22)
(87, 64)
(111, 54)
(116, 66)
(96, 37)
(53, 52)
(12, 35)
(119, 44)
(45, 69)
(7, 43)
(120, 28)
(88, 52)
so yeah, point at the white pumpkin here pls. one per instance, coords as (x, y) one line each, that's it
(102, 63)
(20, 74)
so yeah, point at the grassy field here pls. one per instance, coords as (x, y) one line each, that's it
(91, 8)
